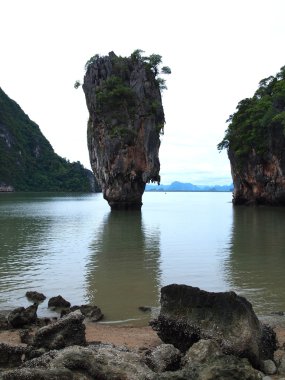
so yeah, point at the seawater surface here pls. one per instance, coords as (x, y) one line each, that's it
(73, 245)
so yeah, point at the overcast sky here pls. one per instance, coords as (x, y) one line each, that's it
(218, 52)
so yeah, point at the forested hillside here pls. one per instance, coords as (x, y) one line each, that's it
(28, 161)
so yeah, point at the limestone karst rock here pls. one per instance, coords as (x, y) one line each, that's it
(255, 141)
(126, 118)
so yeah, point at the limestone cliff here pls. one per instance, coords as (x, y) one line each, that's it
(255, 140)
(125, 121)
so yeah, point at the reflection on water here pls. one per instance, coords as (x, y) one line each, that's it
(255, 267)
(74, 246)
(123, 267)
(43, 244)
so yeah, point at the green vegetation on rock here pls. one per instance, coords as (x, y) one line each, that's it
(257, 119)
(116, 98)
(28, 161)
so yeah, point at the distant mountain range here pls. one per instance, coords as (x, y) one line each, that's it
(180, 186)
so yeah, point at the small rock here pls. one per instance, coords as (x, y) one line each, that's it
(202, 351)
(281, 313)
(269, 367)
(3, 322)
(164, 358)
(89, 311)
(278, 356)
(25, 336)
(281, 368)
(144, 308)
(58, 301)
(35, 296)
(20, 316)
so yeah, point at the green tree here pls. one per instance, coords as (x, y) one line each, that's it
(251, 126)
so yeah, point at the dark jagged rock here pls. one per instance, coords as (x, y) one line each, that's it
(145, 309)
(3, 322)
(58, 301)
(35, 296)
(11, 356)
(125, 119)
(189, 314)
(92, 312)
(94, 362)
(21, 316)
(116, 363)
(67, 331)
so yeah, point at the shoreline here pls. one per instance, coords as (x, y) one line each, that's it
(131, 336)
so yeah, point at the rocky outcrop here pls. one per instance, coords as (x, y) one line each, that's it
(60, 351)
(35, 296)
(58, 301)
(92, 312)
(201, 362)
(125, 120)
(21, 316)
(189, 314)
(261, 180)
(68, 331)
(255, 141)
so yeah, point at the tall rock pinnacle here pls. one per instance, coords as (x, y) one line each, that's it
(125, 121)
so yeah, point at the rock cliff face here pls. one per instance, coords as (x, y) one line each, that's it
(261, 180)
(255, 140)
(125, 121)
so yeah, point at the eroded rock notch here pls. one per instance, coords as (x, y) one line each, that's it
(126, 118)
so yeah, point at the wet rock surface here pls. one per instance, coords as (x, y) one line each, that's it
(92, 312)
(189, 314)
(125, 120)
(35, 296)
(21, 316)
(58, 301)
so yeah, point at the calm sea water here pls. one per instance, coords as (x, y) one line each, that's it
(75, 246)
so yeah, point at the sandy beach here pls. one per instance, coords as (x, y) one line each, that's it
(129, 336)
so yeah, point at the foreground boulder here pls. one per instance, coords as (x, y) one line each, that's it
(189, 314)
(206, 361)
(74, 363)
(21, 316)
(118, 363)
(67, 331)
